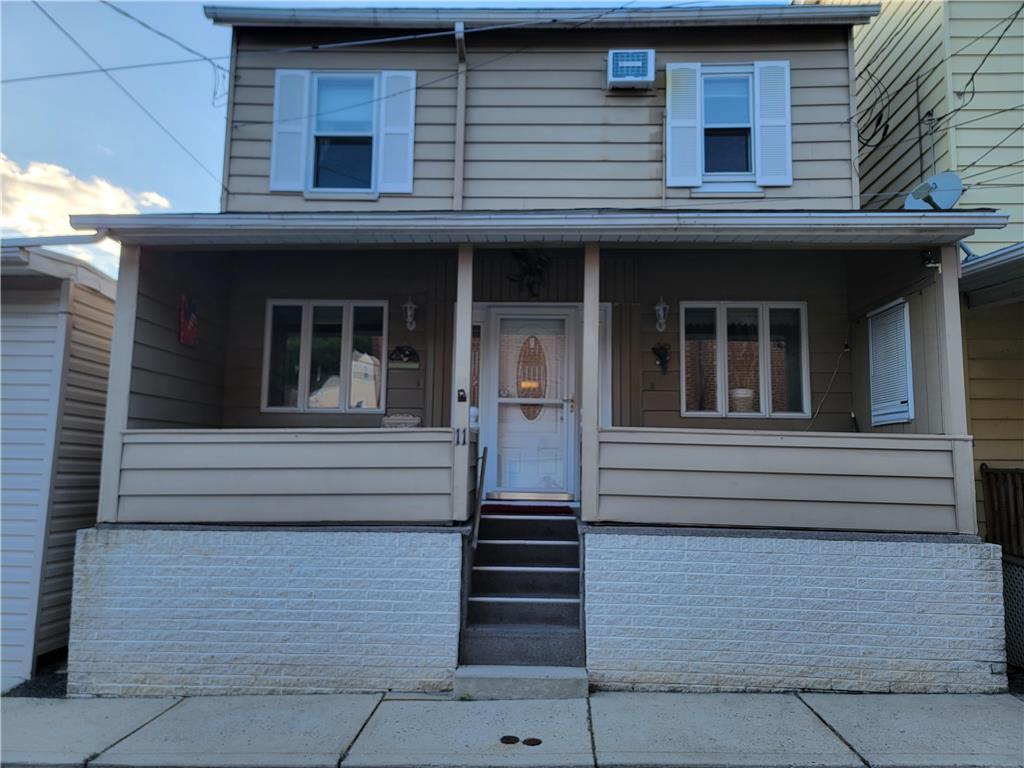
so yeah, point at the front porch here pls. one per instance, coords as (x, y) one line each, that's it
(768, 424)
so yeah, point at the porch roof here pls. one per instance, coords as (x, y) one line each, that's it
(874, 229)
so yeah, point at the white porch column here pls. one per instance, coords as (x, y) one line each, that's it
(590, 406)
(953, 388)
(460, 384)
(118, 382)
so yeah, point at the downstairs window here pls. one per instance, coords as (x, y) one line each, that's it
(322, 356)
(743, 359)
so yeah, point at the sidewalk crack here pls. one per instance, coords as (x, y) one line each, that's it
(132, 732)
(836, 733)
(590, 729)
(362, 728)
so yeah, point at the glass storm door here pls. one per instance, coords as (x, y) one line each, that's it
(532, 413)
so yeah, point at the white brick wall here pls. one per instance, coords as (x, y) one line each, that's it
(161, 612)
(693, 612)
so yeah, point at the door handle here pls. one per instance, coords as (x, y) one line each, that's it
(570, 402)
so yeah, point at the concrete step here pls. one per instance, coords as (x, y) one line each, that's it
(543, 581)
(523, 552)
(522, 644)
(563, 610)
(485, 682)
(510, 526)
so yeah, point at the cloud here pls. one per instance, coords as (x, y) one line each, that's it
(37, 200)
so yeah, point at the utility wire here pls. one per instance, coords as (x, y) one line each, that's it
(992, 148)
(220, 73)
(329, 46)
(129, 94)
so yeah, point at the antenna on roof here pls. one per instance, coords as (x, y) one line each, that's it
(939, 193)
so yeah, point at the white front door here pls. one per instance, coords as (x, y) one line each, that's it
(528, 403)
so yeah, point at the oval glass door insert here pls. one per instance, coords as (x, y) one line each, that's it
(531, 376)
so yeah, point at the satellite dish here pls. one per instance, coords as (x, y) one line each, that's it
(937, 193)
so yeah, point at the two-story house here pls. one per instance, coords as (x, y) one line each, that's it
(538, 337)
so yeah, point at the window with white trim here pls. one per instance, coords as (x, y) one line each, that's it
(343, 132)
(325, 356)
(744, 359)
(728, 126)
(890, 364)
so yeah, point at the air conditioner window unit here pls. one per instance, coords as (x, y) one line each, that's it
(631, 69)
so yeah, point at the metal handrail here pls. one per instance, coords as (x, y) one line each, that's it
(478, 502)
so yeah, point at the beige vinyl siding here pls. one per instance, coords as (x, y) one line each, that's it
(875, 284)
(75, 492)
(541, 129)
(779, 479)
(286, 476)
(994, 338)
(900, 74)
(32, 332)
(999, 85)
(173, 385)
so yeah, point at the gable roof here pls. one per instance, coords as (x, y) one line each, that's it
(581, 16)
(30, 258)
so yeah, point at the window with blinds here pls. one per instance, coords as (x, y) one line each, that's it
(892, 387)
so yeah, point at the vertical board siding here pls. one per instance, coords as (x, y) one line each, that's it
(32, 346)
(995, 388)
(286, 476)
(794, 480)
(542, 131)
(79, 446)
(423, 276)
(174, 385)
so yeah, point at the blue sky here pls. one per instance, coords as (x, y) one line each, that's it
(79, 145)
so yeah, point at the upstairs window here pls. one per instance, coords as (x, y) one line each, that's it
(343, 133)
(323, 356)
(728, 124)
(742, 359)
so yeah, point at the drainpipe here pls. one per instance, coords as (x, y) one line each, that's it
(460, 117)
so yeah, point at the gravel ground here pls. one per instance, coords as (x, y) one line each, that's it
(50, 681)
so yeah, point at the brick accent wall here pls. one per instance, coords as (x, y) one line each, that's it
(190, 612)
(744, 613)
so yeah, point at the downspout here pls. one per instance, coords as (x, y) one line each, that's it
(460, 118)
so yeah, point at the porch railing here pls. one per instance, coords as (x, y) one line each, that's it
(839, 481)
(286, 476)
(1003, 499)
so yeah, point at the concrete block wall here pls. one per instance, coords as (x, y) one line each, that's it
(193, 612)
(698, 612)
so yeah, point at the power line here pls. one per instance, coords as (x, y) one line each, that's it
(129, 94)
(954, 125)
(992, 149)
(220, 73)
(328, 46)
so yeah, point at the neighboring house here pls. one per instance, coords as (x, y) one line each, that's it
(941, 88)
(55, 328)
(722, 408)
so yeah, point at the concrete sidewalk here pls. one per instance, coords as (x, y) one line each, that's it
(608, 729)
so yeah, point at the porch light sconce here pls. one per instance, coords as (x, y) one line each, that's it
(409, 313)
(662, 354)
(661, 314)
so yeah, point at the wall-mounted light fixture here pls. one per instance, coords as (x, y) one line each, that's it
(409, 313)
(661, 314)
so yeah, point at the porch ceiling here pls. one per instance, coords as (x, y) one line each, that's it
(610, 227)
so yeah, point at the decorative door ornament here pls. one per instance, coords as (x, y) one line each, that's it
(533, 271)
(531, 376)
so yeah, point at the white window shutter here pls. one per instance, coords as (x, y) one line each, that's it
(397, 131)
(892, 385)
(684, 140)
(773, 141)
(290, 134)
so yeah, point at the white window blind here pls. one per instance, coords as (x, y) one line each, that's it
(684, 145)
(892, 388)
(773, 161)
(290, 136)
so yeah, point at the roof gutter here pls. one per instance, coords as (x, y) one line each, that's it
(581, 16)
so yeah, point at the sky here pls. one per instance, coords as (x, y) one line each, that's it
(78, 144)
